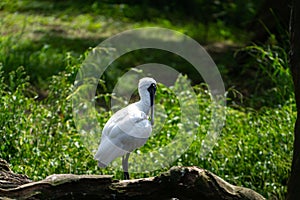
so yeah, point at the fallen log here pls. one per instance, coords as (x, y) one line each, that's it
(8, 179)
(177, 183)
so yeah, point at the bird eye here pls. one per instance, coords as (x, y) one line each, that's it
(152, 87)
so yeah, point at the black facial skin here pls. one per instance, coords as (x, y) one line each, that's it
(152, 89)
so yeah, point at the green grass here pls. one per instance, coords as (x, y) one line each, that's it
(254, 148)
(37, 34)
(42, 46)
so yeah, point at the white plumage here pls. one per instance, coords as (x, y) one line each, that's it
(129, 128)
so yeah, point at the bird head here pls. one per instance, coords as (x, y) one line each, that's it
(147, 89)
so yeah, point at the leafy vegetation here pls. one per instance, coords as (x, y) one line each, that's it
(41, 52)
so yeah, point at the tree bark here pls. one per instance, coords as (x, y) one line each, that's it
(177, 183)
(8, 179)
(294, 180)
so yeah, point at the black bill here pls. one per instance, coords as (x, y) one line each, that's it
(152, 90)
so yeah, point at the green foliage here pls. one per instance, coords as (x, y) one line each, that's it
(43, 129)
(40, 137)
(250, 150)
(270, 80)
(37, 34)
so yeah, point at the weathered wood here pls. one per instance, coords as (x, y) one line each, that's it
(177, 183)
(8, 179)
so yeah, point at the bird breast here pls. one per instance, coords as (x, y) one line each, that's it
(127, 129)
(135, 124)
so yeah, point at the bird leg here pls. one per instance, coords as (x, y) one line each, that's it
(125, 166)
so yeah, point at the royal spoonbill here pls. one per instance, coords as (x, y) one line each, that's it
(129, 128)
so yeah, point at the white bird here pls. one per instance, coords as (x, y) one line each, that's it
(129, 128)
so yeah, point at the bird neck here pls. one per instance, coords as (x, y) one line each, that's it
(144, 102)
(143, 106)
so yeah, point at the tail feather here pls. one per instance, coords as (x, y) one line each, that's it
(107, 152)
(101, 165)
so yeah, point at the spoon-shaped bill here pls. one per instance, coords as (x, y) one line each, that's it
(152, 114)
(152, 90)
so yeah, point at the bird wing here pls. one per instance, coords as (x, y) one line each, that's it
(125, 131)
